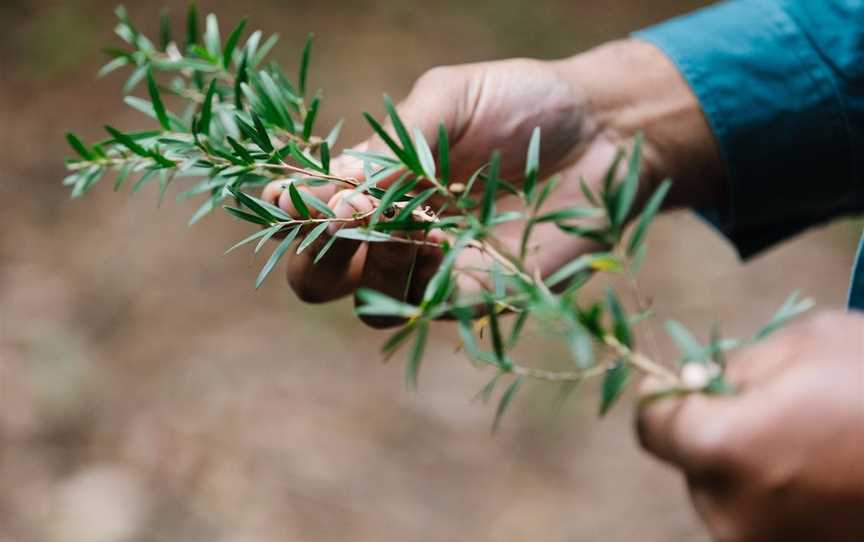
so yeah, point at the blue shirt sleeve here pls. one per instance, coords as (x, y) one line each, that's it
(781, 83)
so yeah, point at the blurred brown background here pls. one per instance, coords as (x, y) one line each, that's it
(148, 393)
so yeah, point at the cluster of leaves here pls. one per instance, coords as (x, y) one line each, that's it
(245, 123)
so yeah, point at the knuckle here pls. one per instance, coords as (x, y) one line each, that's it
(436, 76)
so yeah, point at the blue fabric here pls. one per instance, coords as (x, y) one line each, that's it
(781, 83)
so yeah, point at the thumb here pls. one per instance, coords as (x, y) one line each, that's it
(690, 431)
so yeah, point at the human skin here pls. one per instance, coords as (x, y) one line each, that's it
(587, 107)
(783, 459)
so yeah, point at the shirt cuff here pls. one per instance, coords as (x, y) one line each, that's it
(776, 112)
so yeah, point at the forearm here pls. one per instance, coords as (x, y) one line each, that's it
(631, 86)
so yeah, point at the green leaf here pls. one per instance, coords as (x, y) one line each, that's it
(690, 348)
(79, 146)
(263, 137)
(516, 330)
(253, 204)
(207, 109)
(581, 347)
(630, 185)
(385, 137)
(444, 153)
(248, 217)
(212, 40)
(137, 76)
(415, 357)
(241, 151)
(242, 78)
(298, 202)
(569, 213)
(333, 136)
(614, 382)
(309, 119)
(495, 332)
(312, 236)
(427, 161)
(158, 106)
(486, 393)
(363, 234)
(304, 63)
(377, 304)
(231, 44)
(325, 249)
(646, 217)
(487, 210)
(506, 399)
(532, 162)
(164, 29)
(393, 194)
(324, 153)
(620, 324)
(112, 66)
(191, 25)
(790, 309)
(396, 340)
(127, 142)
(258, 234)
(402, 132)
(280, 251)
(269, 235)
(586, 191)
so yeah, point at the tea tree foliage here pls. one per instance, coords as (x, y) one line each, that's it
(246, 122)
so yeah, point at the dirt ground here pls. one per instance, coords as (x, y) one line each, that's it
(148, 393)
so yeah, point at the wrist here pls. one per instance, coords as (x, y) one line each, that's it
(630, 87)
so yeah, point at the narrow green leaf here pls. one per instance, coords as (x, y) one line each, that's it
(264, 137)
(79, 146)
(532, 162)
(324, 153)
(280, 251)
(333, 136)
(112, 66)
(248, 217)
(614, 382)
(385, 137)
(396, 340)
(630, 185)
(242, 78)
(416, 355)
(402, 132)
(312, 236)
(427, 161)
(393, 194)
(495, 332)
(136, 77)
(620, 324)
(516, 330)
(231, 44)
(298, 202)
(377, 304)
(207, 109)
(304, 63)
(254, 236)
(504, 403)
(158, 106)
(325, 249)
(191, 25)
(309, 119)
(415, 202)
(267, 236)
(569, 213)
(690, 348)
(164, 29)
(487, 210)
(127, 142)
(212, 39)
(790, 309)
(253, 204)
(646, 217)
(581, 346)
(241, 151)
(444, 153)
(586, 191)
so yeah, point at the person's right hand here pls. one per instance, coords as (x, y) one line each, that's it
(497, 105)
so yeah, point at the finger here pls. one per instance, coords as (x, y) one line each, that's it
(689, 431)
(338, 272)
(398, 270)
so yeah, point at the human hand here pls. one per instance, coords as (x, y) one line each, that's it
(496, 105)
(784, 458)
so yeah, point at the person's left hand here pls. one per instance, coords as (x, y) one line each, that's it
(784, 458)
